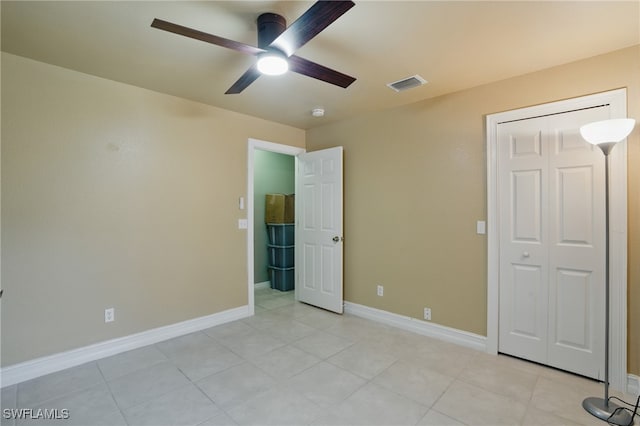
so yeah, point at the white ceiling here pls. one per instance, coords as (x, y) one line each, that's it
(452, 44)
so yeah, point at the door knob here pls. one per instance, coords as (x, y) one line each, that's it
(525, 254)
(337, 239)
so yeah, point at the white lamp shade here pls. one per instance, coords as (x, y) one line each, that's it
(607, 131)
(272, 63)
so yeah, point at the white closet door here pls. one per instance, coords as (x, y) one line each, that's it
(577, 246)
(524, 287)
(551, 186)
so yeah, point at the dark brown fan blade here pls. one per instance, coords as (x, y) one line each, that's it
(244, 81)
(320, 72)
(209, 38)
(315, 19)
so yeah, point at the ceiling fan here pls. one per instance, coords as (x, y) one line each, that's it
(277, 44)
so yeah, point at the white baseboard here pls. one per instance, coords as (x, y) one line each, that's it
(263, 284)
(28, 370)
(448, 334)
(633, 384)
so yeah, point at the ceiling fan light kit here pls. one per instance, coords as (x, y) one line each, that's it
(272, 63)
(277, 44)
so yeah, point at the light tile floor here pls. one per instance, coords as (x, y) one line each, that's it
(292, 364)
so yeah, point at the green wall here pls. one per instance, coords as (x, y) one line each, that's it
(273, 173)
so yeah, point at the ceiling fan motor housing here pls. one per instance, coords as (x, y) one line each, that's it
(270, 26)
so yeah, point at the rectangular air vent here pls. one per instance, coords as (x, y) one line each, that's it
(407, 83)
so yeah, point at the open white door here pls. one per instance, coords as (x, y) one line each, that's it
(319, 226)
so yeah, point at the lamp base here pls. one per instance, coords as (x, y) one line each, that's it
(607, 411)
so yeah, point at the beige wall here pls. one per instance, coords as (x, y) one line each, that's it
(116, 196)
(415, 185)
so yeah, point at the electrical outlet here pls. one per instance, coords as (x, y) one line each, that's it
(380, 290)
(109, 315)
(427, 314)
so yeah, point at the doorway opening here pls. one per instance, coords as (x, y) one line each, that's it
(274, 165)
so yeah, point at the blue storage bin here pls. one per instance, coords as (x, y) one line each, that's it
(282, 279)
(281, 256)
(281, 234)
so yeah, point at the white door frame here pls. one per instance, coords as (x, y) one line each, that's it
(617, 100)
(252, 145)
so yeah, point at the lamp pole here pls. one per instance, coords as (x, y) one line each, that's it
(602, 407)
(606, 134)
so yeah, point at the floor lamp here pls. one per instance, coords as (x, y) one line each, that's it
(606, 134)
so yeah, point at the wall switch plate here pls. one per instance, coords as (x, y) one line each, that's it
(109, 315)
(481, 227)
(427, 314)
(380, 290)
(243, 224)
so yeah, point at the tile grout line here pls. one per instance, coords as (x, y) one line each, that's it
(113, 398)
